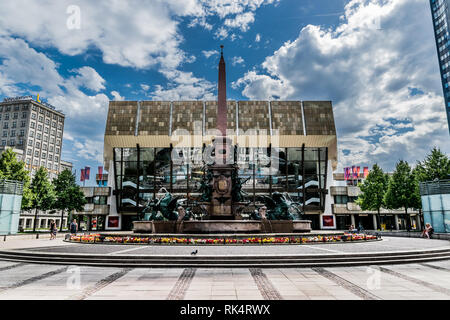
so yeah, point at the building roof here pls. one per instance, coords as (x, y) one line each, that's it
(193, 123)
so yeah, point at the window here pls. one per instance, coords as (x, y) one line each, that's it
(47, 121)
(46, 138)
(60, 127)
(33, 125)
(12, 142)
(33, 116)
(38, 136)
(54, 117)
(53, 132)
(5, 133)
(31, 133)
(23, 124)
(7, 116)
(36, 153)
(28, 160)
(52, 140)
(16, 115)
(41, 118)
(22, 133)
(24, 115)
(3, 142)
(16, 108)
(54, 124)
(14, 124)
(50, 149)
(44, 155)
(30, 142)
(20, 143)
(57, 150)
(0, 117)
(44, 147)
(8, 108)
(34, 108)
(58, 142)
(56, 167)
(50, 157)
(38, 144)
(5, 125)
(35, 162)
(56, 158)
(29, 152)
(39, 127)
(13, 133)
(46, 129)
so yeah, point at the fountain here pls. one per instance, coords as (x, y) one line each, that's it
(221, 199)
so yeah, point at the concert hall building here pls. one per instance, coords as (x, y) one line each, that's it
(140, 137)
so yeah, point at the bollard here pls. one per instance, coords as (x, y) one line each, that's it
(4, 238)
(37, 235)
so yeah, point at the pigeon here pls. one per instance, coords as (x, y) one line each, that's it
(194, 252)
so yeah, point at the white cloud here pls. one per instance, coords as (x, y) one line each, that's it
(237, 60)
(221, 33)
(210, 53)
(145, 87)
(184, 87)
(241, 21)
(258, 37)
(89, 78)
(366, 66)
(117, 96)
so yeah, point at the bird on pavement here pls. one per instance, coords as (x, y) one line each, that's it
(194, 252)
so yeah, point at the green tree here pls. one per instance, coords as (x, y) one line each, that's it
(44, 193)
(12, 169)
(373, 191)
(68, 194)
(402, 190)
(436, 165)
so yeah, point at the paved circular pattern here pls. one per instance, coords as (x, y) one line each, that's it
(388, 244)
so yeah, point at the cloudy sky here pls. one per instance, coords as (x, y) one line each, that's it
(375, 59)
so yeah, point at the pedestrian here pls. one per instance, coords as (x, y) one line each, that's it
(428, 231)
(52, 230)
(73, 226)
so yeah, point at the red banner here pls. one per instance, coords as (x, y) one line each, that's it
(82, 177)
(87, 171)
(100, 173)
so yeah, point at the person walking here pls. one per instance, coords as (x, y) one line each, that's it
(73, 226)
(52, 230)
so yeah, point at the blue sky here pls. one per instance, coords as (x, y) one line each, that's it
(360, 54)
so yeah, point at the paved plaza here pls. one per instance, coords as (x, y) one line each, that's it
(430, 280)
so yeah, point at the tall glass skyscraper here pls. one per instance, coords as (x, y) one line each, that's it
(441, 22)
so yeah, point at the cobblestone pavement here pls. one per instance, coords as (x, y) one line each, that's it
(387, 244)
(412, 281)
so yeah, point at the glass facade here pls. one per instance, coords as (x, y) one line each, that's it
(10, 203)
(440, 14)
(141, 173)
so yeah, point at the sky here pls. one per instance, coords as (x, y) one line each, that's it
(375, 60)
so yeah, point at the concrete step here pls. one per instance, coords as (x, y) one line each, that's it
(230, 261)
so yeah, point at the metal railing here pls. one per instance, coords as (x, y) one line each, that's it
(434, 187)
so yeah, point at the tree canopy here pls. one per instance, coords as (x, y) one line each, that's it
(68, 194)
(436, 165)
(12, 169)
(373, 190)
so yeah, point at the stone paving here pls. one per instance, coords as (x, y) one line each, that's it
(412, 281)
(387, 244)
(429, 280)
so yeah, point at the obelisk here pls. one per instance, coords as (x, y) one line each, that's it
(222, 97)
(221, 204)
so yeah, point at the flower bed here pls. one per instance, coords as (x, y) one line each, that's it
(97, 238)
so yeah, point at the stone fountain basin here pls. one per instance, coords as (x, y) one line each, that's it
(222, 226)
